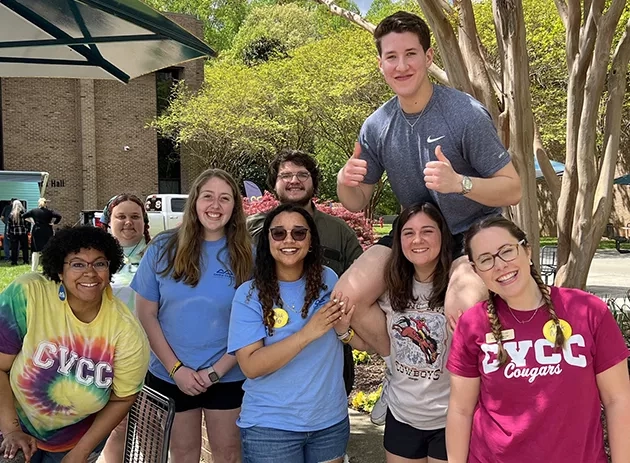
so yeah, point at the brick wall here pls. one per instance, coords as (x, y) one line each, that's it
(77, 130)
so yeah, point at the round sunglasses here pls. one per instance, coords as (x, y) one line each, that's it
(280, 233)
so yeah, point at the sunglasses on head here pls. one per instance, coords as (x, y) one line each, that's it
(280, 233)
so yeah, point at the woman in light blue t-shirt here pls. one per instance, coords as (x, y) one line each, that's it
(287, 331)
(185, 285)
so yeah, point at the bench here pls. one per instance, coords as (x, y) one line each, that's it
(149, 428)
(611, 233)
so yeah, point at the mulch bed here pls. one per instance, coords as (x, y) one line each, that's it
(368, 376)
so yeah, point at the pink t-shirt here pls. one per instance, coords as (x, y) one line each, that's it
(544, 404)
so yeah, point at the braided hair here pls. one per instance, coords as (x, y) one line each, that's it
(493, 318)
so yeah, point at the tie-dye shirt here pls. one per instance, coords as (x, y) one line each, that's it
(65, 370)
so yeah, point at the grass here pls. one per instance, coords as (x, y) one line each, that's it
(381, 231)
(9, 273)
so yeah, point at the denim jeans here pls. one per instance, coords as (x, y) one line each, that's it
(42, 456)
(267, 445)
(6, 244)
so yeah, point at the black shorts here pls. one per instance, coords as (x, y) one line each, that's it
(408, 442)
(348, 368)
(220, 396)
(458, 241)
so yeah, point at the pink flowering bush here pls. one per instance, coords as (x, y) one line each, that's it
(356, 220)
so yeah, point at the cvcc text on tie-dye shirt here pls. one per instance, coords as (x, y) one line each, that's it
(65, 370)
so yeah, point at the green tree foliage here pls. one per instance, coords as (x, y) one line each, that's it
(249, 113)
(288, 24)
(222, 18)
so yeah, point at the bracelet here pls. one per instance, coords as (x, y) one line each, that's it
(176, 367)
(347, 336)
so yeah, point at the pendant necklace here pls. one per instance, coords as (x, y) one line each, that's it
(522, 322)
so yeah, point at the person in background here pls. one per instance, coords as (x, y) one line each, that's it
(185, 285)
(72, 356)
(294, 177)
(17, 231)
(532, 366)
(126, 219)
(43, 219)
(6, 243)
(281, 330)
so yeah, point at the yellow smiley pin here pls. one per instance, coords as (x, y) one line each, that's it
(281, 317)
(550, 328)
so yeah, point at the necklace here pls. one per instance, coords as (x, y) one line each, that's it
(404, 115)
(522, 322)
(286, 306)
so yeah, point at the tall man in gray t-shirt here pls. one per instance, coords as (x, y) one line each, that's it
(436, 144)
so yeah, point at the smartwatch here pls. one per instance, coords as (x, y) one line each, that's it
(213, 376)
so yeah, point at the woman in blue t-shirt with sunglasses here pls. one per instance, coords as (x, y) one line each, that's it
(287, 330)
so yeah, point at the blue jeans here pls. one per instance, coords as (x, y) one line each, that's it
(267, 445)
(42, 456)
(7, 247)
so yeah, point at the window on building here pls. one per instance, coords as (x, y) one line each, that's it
(169, 166)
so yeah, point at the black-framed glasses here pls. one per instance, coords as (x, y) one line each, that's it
(507, 253)
(81, 266)
(302, 176)
(280, 233)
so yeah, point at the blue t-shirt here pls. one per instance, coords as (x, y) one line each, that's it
(307, 394)
(195, 320)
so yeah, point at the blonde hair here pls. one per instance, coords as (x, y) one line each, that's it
(16, 210)
(495, 323)
(183, 249)
(41, 202)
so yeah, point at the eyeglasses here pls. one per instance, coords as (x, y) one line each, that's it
(81, 266)
(279, 233)
(507, 253)
(302, 176)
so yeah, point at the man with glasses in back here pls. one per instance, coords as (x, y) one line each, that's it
(294, 177)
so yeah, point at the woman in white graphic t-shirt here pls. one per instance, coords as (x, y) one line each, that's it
(417, 394)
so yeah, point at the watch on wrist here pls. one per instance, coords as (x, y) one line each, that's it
(467, 185)
(213, 376)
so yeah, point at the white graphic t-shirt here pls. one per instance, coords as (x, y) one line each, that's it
(419, 343)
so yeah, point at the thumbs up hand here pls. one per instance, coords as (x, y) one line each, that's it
(440, 176)
(354, 171)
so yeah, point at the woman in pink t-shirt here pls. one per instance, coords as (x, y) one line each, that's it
(529, 365)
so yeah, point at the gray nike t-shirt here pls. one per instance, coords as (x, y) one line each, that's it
(451, 119)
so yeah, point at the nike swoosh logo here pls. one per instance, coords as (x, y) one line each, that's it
(431, 140)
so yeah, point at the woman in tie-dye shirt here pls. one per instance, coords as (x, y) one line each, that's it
(72, 356)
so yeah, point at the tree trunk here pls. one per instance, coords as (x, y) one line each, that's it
(510, 25)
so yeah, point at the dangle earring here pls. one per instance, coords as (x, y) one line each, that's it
(62, 292)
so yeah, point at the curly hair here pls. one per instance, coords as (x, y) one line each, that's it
(106, 218)
(493, 318)
(71, 240)
(182, 250)
(399, 275)
(299, 158)
(265, 274)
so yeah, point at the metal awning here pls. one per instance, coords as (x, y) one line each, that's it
(92, 39)
(21, 176)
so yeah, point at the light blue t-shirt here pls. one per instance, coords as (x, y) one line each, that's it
(307, 394)
(195, 320)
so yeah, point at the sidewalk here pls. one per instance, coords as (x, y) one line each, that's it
(366, 439)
